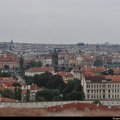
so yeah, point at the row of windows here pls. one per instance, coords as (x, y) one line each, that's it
(99, 86)
(95, 86)
(113, 96)
(96, 91)
(101, 96)
(113, 86)
(116, 91)
(102, 91)
(95, 97)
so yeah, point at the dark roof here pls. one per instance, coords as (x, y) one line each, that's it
(95, 78)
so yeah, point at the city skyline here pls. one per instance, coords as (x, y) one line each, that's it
(60, 21)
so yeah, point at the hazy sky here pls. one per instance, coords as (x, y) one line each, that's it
(60, 21)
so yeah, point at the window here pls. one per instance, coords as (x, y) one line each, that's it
(108, 85)
(88, 91)
(108, 96)
(103, 96)
(87, 96)
(109, 91)
(103, 91)
(103, 85)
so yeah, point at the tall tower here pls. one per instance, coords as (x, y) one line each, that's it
(55, 57)
(11, 45)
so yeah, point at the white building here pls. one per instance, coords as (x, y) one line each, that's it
(102, 88)
(38, 70)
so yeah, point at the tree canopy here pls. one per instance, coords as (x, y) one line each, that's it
(73, 90)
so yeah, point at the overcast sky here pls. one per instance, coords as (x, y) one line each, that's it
(60, 21)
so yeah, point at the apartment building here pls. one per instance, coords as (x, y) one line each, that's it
(102, 87)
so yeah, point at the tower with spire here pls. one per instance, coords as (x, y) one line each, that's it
(11, 45)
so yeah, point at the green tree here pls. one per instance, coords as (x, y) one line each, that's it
(28, 96)
(56, 83)
(21, 68)
(7, 93)
(4, 74)
(33, 63)
(73, 90)
(17, 90)
(47, 94)
(42, 80)
(97, 102)
(110, 72)
(28, 80)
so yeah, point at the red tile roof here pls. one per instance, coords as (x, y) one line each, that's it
(114, 78)
(8, 58)
(3, 99)
(81, 106)
(65, 74)
(95, 78)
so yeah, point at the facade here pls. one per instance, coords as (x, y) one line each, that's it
(9, 61)
(38, 70)
(102, 88)
(66, 76)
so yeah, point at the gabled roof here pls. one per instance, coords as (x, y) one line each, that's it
(65, 74)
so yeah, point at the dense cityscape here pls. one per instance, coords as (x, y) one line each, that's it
(59, 75)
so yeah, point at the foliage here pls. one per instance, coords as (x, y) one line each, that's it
(4, 74)
(21, 68)
(108, 72)
(42, 80)
(27, 97)
(17, 91)
(47, 94)
(16, 84)
(97, 102)
(56, 83)
(73, 90)
(7, 93)
(28, 80)
(33, 63)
